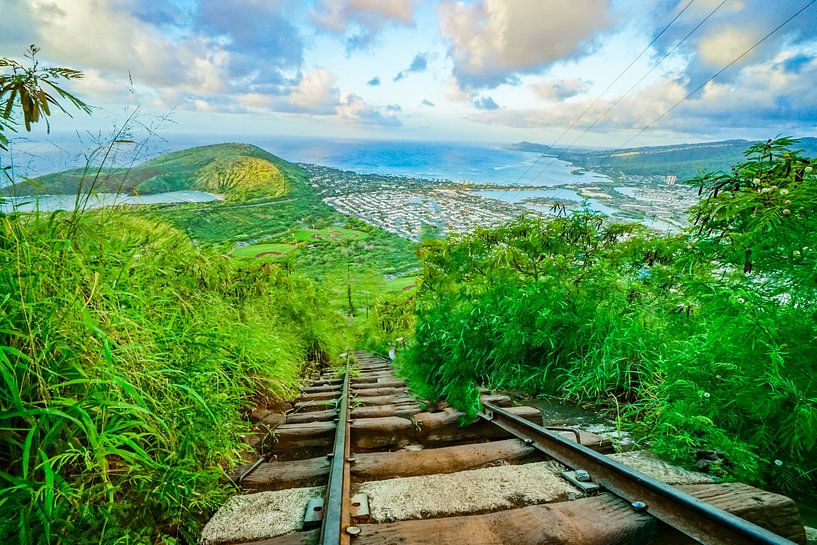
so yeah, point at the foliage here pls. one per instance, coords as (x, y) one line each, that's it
(32, 89)
(126, 354)
(391, 322)
(705, 355)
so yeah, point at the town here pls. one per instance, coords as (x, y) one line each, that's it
(413, 214)
(416, 207)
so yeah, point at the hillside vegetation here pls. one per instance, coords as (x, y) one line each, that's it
(682, 160)
(238, 171)
(703, 343)
(127, 355)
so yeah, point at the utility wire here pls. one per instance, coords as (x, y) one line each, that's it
(719, 72)
(573, 124)
(636, 84)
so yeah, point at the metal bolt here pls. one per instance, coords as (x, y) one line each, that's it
(353, 530)
(528, 441)
(351, 460)
(330, 455)
(639, 505)
(582, 476)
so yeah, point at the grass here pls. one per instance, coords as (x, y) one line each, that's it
(401, 284)
(268, 252)
(335, 234)
(127, 356)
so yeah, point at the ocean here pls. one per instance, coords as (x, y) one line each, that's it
(459, 162)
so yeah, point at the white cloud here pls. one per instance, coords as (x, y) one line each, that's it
(362, 20)
(769, 96)
(95, 34)
(354, 109)
(491, 42)
(316, 93)
(552, 89)
(722, 46)
(634, 111)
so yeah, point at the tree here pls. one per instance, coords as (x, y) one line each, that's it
(34, 90)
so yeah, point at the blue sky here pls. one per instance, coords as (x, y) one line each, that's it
(487, 70)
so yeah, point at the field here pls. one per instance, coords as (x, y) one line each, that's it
(405, 283)
(335, 234)
(267, 252)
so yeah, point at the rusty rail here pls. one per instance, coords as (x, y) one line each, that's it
(695, 518)
(337, 508)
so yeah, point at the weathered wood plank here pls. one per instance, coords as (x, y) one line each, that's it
(312, 416)
(380, 384)
(368, 400)
(310, 537)
(444, 426)
(387, 465)
(599, 520)
(324, 388)
(774, 512)
(380, 390)
(291, 474)
(311, 434)
(405, 410)
(318, 396)
(371, 433)
(319, 405)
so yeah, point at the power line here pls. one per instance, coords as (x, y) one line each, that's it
(636, 84)
(573, 124)
(719, 72)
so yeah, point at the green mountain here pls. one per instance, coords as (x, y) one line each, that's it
(237, 171)
(528, 146)
(682, 160)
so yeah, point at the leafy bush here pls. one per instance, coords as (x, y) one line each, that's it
(706, 340)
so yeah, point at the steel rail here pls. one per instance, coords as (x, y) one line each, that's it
(695, 518)
(336, 511)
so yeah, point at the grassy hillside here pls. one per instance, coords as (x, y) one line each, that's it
(682, 160)
(128, 356)
(237, 171)
(353, 261)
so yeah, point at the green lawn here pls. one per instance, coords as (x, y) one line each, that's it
(265, 251)
(335, 234)
(401, 284)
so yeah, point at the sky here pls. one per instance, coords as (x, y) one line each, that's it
(549, 71)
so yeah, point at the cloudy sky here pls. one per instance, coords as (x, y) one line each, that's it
(491, 70)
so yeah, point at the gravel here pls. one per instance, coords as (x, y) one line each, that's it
(647, 463)
(258, 516)
(479, 490)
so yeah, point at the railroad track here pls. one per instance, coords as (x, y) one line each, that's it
(358, 461)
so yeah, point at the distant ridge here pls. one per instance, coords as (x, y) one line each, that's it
(682, 160)
(528, 146)
(237, 171)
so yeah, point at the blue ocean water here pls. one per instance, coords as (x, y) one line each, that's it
(460, 162)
